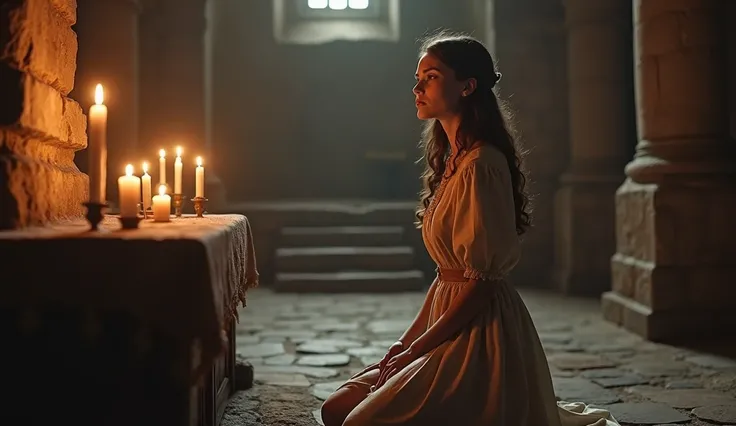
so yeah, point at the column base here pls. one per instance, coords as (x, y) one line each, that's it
(672, 326)
(673, 271)
(585, 234)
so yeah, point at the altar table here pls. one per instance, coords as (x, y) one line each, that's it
(122, 327)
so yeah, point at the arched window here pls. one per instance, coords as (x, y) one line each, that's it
(325, 21)
(339, 9)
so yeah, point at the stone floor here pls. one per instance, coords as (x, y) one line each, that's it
(303, 346)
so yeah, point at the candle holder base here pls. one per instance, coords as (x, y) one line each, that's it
(95, 214)
(178, 200)
(130, 222)
(199, 205)
(146, 213)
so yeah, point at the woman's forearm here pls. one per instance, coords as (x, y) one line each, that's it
(473, 296)
(419, 325)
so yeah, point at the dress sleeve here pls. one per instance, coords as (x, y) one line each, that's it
(484, 227)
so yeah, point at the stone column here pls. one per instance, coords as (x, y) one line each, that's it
(40, 126)
(601, 98)
(173, 94)
(674, 265)
(108, 54)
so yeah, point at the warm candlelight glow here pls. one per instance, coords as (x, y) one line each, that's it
(99, 95)
(97, 144)
(162, 190)
(129, 191)
(145, 167)
(199, 179)
(178, 151)
(162, 153)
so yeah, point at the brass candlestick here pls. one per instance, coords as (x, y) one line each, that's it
(199, 205)
(178, 201)
(144, 212)
(95, 214)
(130, 222)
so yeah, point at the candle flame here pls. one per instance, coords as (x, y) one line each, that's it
(178, 151)
(99, 95)
(162, 153)
(145, 167)
(162, 190)
(129, 170)
(199, 161)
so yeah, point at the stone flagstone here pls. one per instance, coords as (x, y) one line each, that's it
(260, 350)
(721, 414)
(683, 398)
(576, 389)
(579, 361)
(646, 413)
(344, 326)
(710, 361)
(284, 359)
(333, 360)
(310, 347)
(317, 372)
(277, 379)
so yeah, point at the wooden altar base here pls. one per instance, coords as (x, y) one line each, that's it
(60, 365)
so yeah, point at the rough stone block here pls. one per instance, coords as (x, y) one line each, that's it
(37, 38)
(39, 182)
(67, 9)
(40, 109)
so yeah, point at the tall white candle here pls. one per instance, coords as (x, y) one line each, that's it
(97, 144)
(129, 189)
(161, 205)
(162, 166)
(146, 182)
(177, 171)
(199, 179)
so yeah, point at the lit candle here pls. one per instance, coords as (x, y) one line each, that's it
(162, 166)
(199, 179)
(161, 205)
(98, 148)
(129, 189)
(146, 181)
(177, 171)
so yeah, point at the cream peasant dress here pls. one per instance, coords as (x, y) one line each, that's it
(494, 372)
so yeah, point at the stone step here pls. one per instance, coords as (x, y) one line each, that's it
(330, 259)
(350, 282)
(333, 236)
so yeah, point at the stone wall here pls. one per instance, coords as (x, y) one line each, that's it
(40, 127)
(530, 51)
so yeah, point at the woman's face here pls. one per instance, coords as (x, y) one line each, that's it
(437, 92)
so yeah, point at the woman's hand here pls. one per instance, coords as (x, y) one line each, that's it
(394, 365)
(395, 349)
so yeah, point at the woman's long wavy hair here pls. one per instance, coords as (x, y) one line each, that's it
(483, 119)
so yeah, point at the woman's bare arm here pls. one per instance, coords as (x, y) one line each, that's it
(419, 325)
(471, 299)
